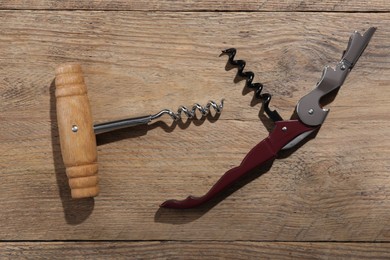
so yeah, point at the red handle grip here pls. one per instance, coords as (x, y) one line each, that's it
(284, 132)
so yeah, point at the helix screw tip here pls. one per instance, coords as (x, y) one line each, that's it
(230, 51)
(191, 112)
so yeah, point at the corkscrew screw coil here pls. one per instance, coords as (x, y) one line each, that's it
(191, 113)
(249, 76)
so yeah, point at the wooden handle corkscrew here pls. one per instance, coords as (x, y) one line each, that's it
(78, 133)
(75, 125)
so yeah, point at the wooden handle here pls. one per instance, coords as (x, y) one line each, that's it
(78, 141)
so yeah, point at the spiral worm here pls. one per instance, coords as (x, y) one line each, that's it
(190, 113)
(249, 76)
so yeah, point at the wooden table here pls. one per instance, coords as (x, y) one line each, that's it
(329, 199)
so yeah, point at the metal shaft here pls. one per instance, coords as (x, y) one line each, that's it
(130, 122)
(120, 124)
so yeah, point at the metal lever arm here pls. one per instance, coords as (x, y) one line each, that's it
(266, 150)
(308, 108)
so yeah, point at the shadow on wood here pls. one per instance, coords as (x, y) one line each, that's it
(76, 211)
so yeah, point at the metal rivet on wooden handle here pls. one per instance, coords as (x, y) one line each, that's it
(75, 126)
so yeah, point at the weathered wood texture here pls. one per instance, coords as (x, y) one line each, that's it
(334, 188)
(194, 250)
(202, 5)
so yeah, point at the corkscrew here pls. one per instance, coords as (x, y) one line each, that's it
(308, 117)
(77, 132)
(189, 113)
(258, 87)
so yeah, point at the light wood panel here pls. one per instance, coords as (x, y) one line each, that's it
(203, 5)
(334, 188)
(196, 250)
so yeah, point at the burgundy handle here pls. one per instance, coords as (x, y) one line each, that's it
(283, 133)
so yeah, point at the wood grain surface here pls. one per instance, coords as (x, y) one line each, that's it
(202, 5)
(328, 199)
(195, 250)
